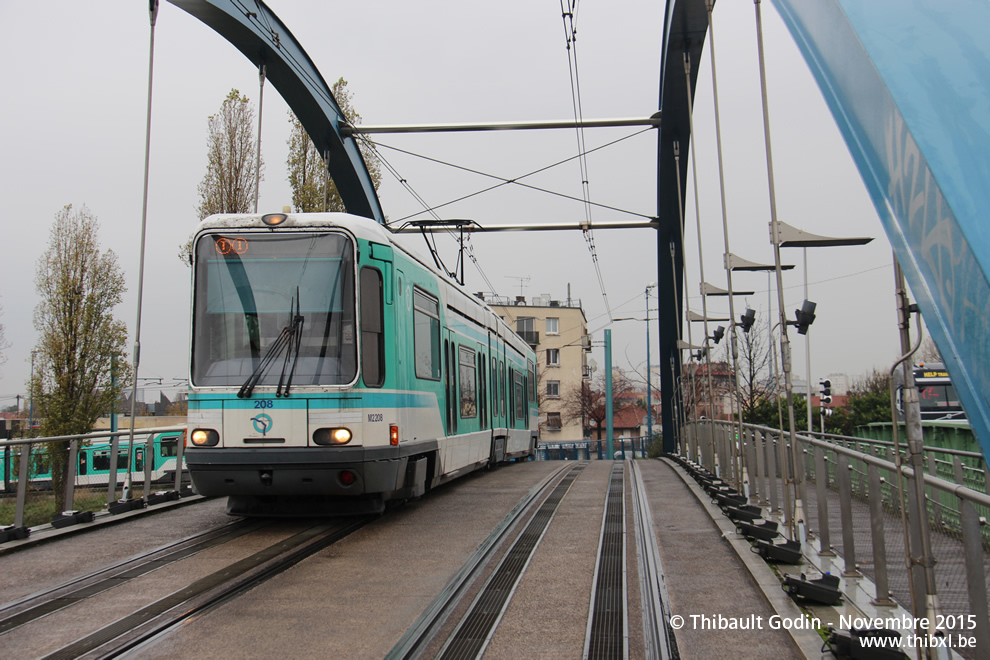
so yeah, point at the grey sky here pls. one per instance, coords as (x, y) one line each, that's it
(73, 114)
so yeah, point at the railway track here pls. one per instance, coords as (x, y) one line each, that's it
(607, 631)
(162, 614)
(515, 581)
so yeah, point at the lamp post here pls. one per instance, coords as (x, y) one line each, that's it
(609, 449)
(649, 387)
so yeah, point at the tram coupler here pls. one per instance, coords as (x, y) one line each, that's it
(11, 533)
(824, 590)
(67, 518)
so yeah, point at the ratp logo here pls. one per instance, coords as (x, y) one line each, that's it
(262, 423)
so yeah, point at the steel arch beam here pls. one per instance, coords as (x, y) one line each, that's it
(685, 27)
(259, 34)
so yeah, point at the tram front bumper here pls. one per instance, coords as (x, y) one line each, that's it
(337, 471)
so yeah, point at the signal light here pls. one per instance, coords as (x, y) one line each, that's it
(826, 395)
(805, 317)
(393, 434)
(347, 477)
(719, 333)
(748, 319)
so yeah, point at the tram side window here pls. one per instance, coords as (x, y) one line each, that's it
(501, 380)
(532, 381)
(494, 387)
(101, 460)
(520, 393)
(426, 335)
(512, 407)
(467, 374)
(372, 328)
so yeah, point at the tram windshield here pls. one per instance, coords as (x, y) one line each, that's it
(249, 287)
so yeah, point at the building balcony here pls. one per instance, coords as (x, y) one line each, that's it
(531, 337)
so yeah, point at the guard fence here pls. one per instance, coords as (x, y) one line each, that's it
(585, 450)
(842, 494)
(97, 471)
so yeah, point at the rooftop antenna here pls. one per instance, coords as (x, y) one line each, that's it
(522, 282)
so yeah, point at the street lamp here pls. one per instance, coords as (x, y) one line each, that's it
(649, 388)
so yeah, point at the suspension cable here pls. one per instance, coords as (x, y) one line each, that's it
(568, 15)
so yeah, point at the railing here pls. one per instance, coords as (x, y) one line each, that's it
(583, 450)
(852, 507)
(95, 473)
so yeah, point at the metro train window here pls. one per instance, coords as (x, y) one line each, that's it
(426, 335)
(372, 328)
(467, 376)
(169, 447)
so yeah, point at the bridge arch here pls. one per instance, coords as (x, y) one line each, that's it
(259, 34)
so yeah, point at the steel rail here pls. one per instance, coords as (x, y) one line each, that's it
(428, 625)
(219, 587)
(477, 626)
(48, 601)
(658, 636)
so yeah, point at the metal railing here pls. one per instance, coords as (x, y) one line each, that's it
(96, 470)
(583, 450)
(848, 488)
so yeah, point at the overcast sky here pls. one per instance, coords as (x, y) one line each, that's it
(73, 126)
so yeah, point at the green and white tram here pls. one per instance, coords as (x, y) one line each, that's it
(332, 370)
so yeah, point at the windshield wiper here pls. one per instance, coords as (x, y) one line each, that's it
(295, 338)
(289, 335)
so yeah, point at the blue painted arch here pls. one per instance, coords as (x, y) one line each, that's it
(259, 34)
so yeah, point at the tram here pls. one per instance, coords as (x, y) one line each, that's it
(93, 467)
(332, 371)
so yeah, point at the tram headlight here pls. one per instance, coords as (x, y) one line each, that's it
(338, 436)
(204, 438)
(274, 219)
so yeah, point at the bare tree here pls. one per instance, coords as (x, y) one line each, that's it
(754, 372)
(587, 401)
(78, 286)
(231, 167)
(307, 165)
(928, 352)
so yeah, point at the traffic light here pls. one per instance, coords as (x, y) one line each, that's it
(701, 354)
(719, 333)
(748, 319)
(826, 395)
(805, 316)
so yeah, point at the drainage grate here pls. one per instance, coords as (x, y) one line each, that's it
(476, 628)
(607, 636)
